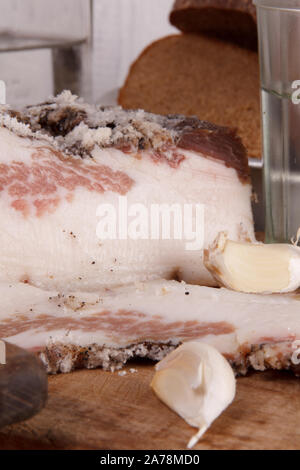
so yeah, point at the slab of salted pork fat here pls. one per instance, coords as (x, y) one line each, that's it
(150, 319)
(62, 160)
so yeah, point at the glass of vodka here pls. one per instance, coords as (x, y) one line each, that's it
(279, 49)
(44, 48)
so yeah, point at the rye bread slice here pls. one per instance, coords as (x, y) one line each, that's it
(192, 74)
(233, 20)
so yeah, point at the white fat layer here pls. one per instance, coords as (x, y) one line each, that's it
(15, 148)
(62, 251)
(254, 318)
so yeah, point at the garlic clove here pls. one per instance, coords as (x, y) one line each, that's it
(197, 382)
(254, 267)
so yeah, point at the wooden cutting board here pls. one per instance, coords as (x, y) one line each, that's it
(103, 410)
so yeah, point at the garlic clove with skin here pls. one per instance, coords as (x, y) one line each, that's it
(197, 382)
(254, 267)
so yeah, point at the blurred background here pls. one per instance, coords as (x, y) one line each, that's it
(86, 46)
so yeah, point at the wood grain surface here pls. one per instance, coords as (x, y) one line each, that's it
(103, 410)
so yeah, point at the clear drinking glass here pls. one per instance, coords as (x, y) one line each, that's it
(44, 48)
(279, 48)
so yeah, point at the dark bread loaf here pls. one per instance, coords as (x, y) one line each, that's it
(233, 20)
(192, 74)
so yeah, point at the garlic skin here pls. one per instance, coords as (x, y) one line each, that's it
(197, 382)
(254, 267)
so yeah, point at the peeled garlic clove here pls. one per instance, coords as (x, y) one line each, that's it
(197, 382)
(254, 267)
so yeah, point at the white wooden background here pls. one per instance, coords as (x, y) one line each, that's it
(122, 28)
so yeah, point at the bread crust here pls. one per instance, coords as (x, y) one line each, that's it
(239, 5)
(233, 20)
